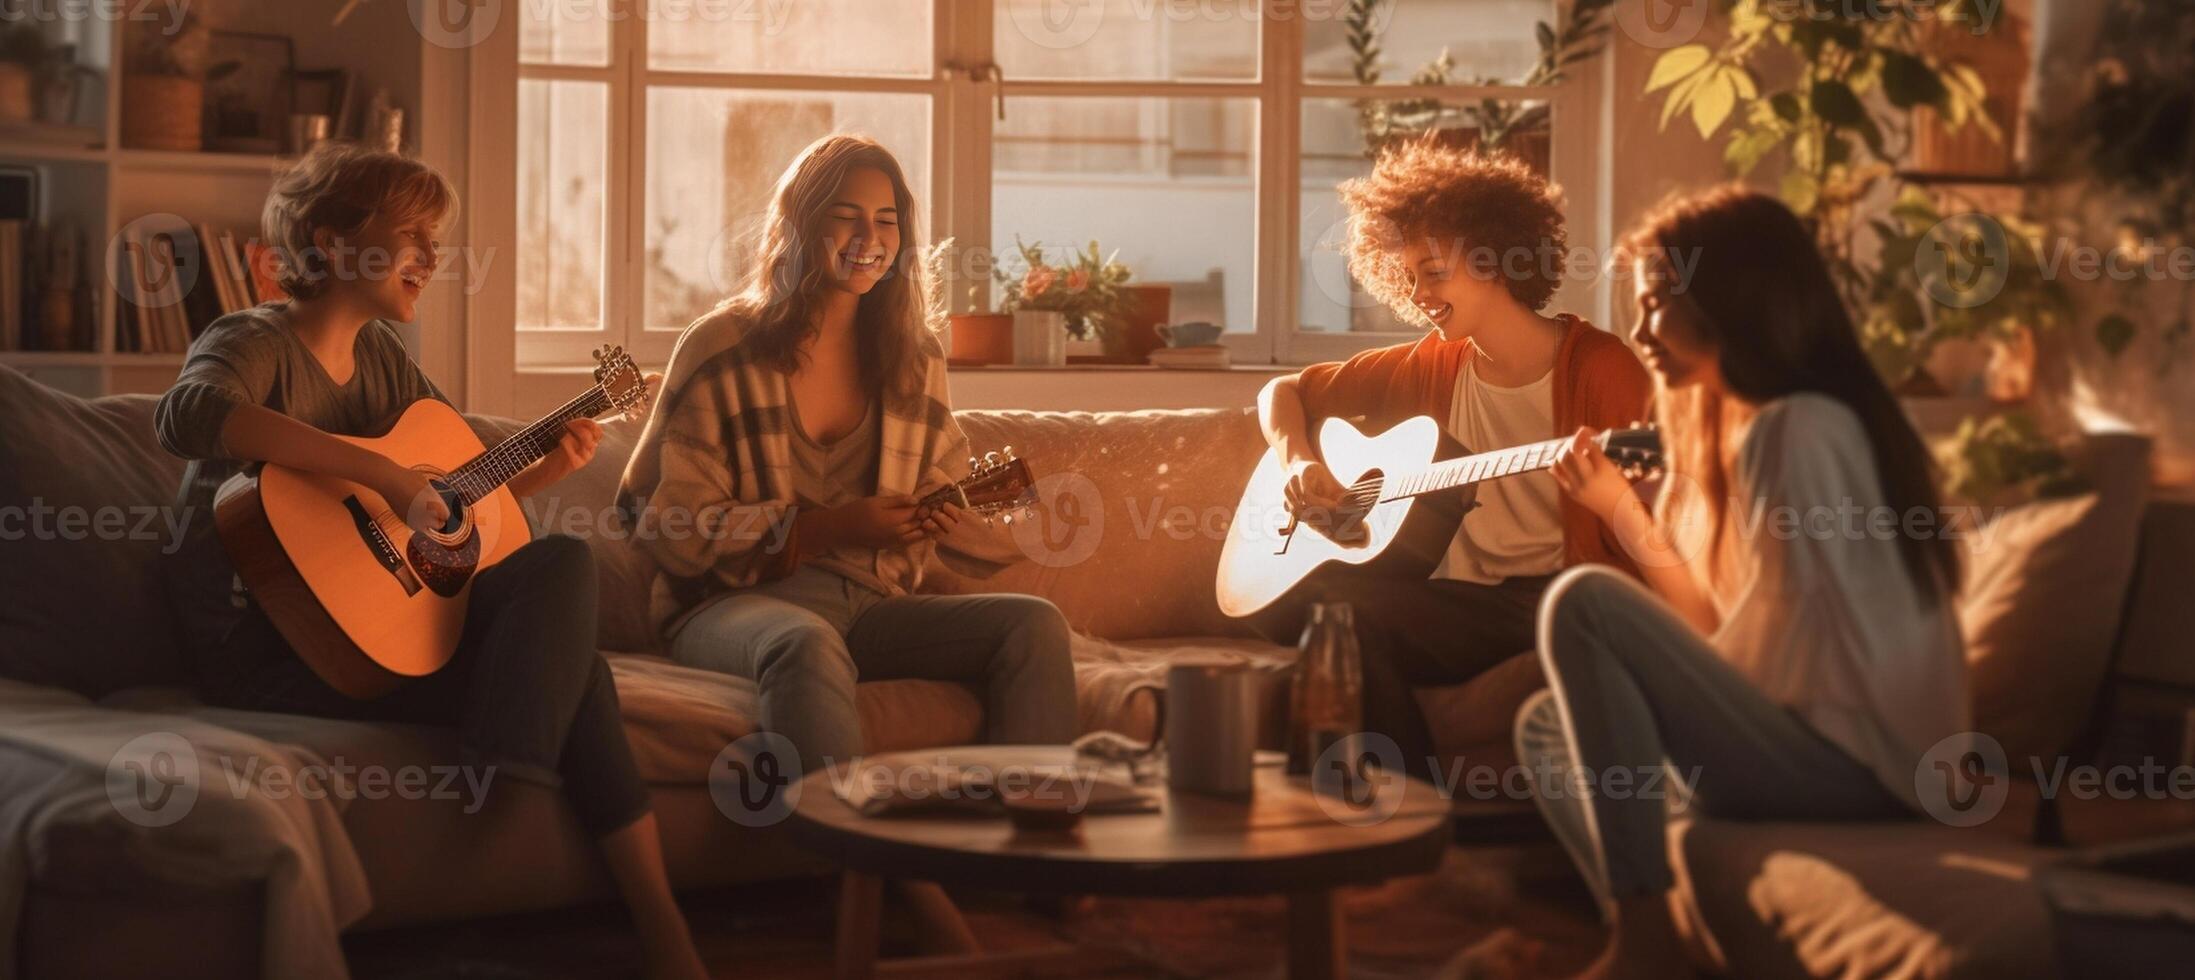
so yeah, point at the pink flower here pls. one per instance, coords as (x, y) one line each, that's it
(1078, 280)
(1039, 279)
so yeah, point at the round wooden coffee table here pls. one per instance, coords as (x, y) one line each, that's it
(1282, 840)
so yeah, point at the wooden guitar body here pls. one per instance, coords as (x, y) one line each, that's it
(1262, 560)
(361, 598)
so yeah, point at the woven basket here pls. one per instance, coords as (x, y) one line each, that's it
(163, 112)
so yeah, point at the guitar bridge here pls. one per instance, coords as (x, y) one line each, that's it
(384, 550)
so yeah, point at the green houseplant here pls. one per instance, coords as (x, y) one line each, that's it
(1831, 98)
(1582, 34)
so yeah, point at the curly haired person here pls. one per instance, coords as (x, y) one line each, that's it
(1471, 246)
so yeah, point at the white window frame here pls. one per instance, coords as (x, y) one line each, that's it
(962, 100)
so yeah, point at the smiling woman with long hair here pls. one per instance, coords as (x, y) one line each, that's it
(775, 488)
(1795, 664)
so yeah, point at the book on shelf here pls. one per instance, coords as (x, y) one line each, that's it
(14, 265)
(1208, 357)
(181, 278)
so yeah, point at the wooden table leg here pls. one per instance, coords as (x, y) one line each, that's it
(860, 918)
(942, 929)
(1317, 947)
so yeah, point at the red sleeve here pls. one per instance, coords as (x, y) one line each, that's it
(1357, 387)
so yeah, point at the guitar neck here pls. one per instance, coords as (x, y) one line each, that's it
(1450, 474)
(484, 473)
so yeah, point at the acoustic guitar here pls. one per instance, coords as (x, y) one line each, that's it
(360, 597)
(1270, 548)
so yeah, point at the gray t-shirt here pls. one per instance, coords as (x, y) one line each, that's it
(841, 472)
(253, 356)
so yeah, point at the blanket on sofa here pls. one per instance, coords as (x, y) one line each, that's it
(174, 780)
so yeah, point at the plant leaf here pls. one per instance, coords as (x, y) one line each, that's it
(1835, 102)
(1800, 191)
(1712, 104)
(1908, 81)
(1675, 64)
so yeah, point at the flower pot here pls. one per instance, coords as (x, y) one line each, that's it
(981, 338)
(163, 112)
(1040, 338)
(17, 103)
(2000, 57)
(1149, 304)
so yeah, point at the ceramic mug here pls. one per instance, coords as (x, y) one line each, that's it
(1198, 334)
(1211, 727)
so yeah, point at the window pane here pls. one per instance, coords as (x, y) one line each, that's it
(820, 37)
(564, 33)
(713, 158)
(1335, 134)
(1168, 182)
(1487, 40)
(561, 164)
(1209, 40)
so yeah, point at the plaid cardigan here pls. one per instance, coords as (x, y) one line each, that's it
(708, 495)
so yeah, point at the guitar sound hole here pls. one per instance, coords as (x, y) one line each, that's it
(452, 500)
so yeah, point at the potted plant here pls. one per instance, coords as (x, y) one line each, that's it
(1084, 298)
(972, 337)
(164, 86)
(25, 62)
(1513, 127)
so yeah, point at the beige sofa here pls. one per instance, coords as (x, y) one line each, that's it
(1135, 506)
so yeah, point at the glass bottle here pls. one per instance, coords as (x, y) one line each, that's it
(1326, 696)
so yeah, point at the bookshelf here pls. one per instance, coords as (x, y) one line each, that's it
(89, 180)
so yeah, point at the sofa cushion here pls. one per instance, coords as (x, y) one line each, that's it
(1905, 899)
(1135, 506)
(2045, 594)
(85, 512)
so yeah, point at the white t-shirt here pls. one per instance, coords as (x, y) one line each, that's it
(1516, 530)
(1817, 608)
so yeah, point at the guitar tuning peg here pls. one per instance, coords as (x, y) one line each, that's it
(1005, 518)
(1006, 451)
(990, 460)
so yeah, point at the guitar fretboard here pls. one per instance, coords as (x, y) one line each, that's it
(489, 470)
(1472, 469)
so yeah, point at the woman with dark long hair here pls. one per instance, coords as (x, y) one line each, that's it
(775, 488)
(1797, 656)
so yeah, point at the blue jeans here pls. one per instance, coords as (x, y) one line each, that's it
(1632, 689)
(805, 639)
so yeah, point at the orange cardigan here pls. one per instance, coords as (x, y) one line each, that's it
(1598, 382)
